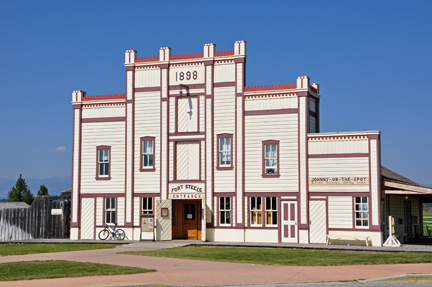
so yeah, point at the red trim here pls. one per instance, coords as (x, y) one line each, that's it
(224, 53)
(224, 84)
(259, 96)
(148, 89)
(335, 193)
(336, 155)
(102, 97)
(187, 134)
(270, 142)
(147, 59)
(187, 140)
(103, 147)
(338, 137)
(271, 112)
(145, 67)
(111, 104)
(142, 168)
(271, 87)
(94, 195)
(187, 181)
(187, 56)
(190, 87)
(230, 167)
(103, 120)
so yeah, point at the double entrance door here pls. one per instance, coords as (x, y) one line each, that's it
(186, 219)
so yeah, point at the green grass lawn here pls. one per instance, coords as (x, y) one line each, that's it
(26, 270)
(285, 256)
(22, 248)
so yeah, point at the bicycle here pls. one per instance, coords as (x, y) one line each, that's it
(116, 233)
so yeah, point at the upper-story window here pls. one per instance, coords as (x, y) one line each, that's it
(270, 158)
(147, 154)
(103, 162)
(224, 152)
(147, 205)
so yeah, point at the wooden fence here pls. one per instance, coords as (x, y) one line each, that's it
(47, 217)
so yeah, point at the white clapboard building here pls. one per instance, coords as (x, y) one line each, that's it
(192, 148)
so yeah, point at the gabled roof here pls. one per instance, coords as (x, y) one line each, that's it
(394, 183)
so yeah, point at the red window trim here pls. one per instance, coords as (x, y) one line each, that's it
(104, 210)
(147, 169)
(218, 211)
(264, 175)
(98, 177)
(231, 167)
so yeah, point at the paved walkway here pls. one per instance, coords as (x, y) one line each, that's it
(200, 273)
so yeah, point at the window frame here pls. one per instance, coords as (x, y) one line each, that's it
(110, 210)
(360, 211)
(224, 210)
(264, 174)
(257, 211)
(218, 163)
(147, 210)
(98, 175)
(273, 211)
(142, 167)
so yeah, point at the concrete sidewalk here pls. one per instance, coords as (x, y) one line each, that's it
(201, 273)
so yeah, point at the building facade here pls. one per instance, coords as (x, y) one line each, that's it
(191, 147)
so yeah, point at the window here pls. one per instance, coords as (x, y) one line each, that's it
(224, 144)
(110, 212)
(270, 159)
(361, 211)
(147, 205)
(147, 154)
(255, 210)
(103, 162)
(224, 210)
(271, 210)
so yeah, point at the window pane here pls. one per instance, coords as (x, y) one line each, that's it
(144, 206)
(107, 203)
(227, 203)
(228, 159)
(151, 160)
(221, 203)
(150, 203)
(112, 202)
(274, 162)
(364, 199)
(150, 146)
(228, 217)
(268, 162)
(364, 207)
(274, 203)
(253, 203)
(105, 155)
(357, 199)
(145, 146)
(267, 149)
(146, 160)
(365, 223)
(268, 204)
(105, 168)
(100, 155)
(274, 149)
(274, 217)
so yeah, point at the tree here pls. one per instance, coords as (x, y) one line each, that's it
(20, 192)
(42, 190)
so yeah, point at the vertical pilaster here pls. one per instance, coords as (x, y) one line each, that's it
(209, 139)
(240, 69)
(164, 56)
(130, 56)
(76, 165)
(303, 104)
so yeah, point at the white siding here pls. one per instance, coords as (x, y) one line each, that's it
(339, 167)
(95, 134)
(187, 114)
(99, 211)
(201, 113)
(283, 101)
(224, 122)
(374, 181)
(397, 211)
(120, 210)
(87, 218)
(281, 127)
(240, 77)
(338, 146)
(340, 211)
(172, 119)
(137, 211)
(147, 123)
(188, 160)
(261, 235)
(303, 159)
(149, 77)
(129, 85)
(104, 111)
(224, 72)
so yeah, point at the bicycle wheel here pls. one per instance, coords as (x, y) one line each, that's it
(120, 234)
(103, 234)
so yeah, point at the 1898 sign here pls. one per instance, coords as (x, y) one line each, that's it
(188, 75)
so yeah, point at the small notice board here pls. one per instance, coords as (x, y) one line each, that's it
(147, 223)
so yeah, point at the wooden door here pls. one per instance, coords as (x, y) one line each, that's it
(187, 219)
(289, 221)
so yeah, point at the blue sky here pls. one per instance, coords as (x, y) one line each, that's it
(372, 60)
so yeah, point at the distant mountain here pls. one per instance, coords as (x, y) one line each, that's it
(55, 185)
